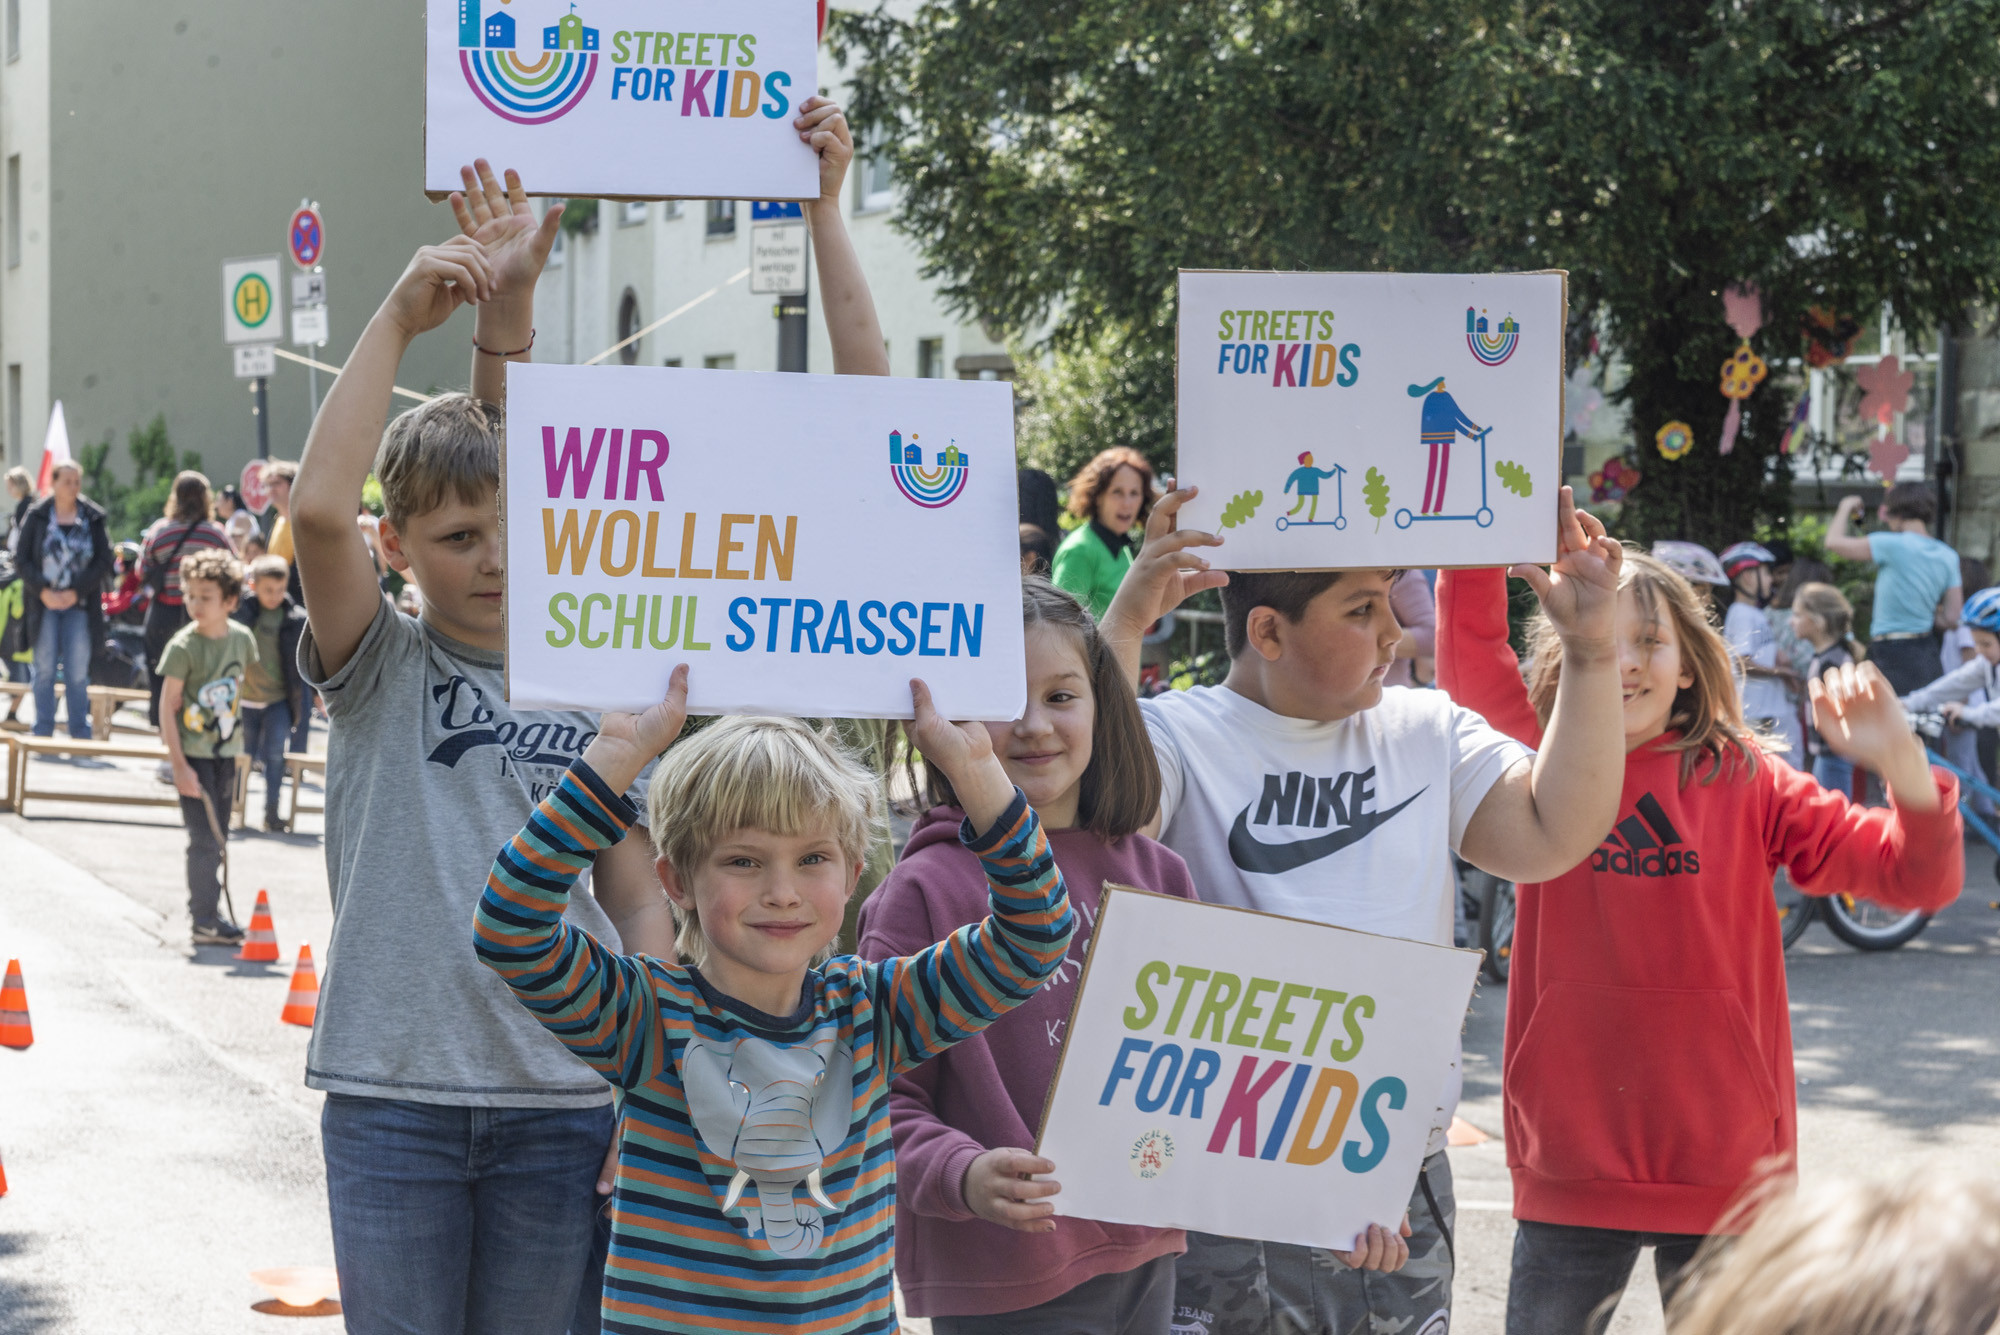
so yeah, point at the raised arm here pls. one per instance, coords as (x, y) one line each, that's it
(338, 574)
(1476, 666)
(1838, 540)
(851, 324)
(517, 247)
(1166, 574)
(1546, 815)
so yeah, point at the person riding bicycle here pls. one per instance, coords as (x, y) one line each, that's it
(1949, 695)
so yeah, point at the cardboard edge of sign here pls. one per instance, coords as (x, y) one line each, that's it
(1562, 389)
(1112, 893)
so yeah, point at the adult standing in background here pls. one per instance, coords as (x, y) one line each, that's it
(20, 495)
(1111, 493)
(234, 516)
(184, 530)
(1918, 593)
(65, 557)
(1415, 606)
(278, 475)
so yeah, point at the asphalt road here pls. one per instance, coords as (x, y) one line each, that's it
(159, 1144)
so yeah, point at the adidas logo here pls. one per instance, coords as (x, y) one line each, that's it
(1645, 844)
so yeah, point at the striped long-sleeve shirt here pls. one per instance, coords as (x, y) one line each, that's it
(737, 1122)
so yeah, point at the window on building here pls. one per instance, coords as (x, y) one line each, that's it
(13, 29)
(14, 410)
(558, 249)
(722, 362)
(14, 211)
(671, 361)
(874, 186)
(628, 325)
(632, 212)
(930, 358)
(722, 217)
(671, 209)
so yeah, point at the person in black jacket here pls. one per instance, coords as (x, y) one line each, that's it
(273, 691)
(64, 557)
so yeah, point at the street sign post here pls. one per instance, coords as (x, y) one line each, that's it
(305, 236)
(255, 359)
(255, 491)
(308, 326)
(250, 300)
(778, 258)
(309, 289)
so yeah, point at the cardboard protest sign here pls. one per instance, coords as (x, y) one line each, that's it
(623, 98)
(1250, 1075)
(748, 525)
(1372, 420)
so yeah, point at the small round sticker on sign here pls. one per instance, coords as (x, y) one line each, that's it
(1151, 1153)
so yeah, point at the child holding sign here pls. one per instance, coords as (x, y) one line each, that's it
(964, 1123)
(1301, 786)
(756, 1171)
(1648, 1063)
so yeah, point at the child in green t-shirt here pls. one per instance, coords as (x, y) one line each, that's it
(201, 715)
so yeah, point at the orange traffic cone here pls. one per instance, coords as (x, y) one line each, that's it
(15, 1031)
(261, 945)
(3, 1179)
(303, 1002)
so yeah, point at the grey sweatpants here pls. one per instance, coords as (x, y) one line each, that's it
(1233, 1286)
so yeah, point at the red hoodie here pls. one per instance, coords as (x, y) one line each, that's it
(1648, 1063)
(989, 1091)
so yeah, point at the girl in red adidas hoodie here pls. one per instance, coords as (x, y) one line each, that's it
(1648, 1067)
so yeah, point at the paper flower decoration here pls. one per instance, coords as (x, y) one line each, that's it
(1744, 370)
(1674, 439)
(1795, 430)
(1829, 337)
(1742, 373)
(1613, 481)
(1885, 456)
(1886, 390)
(1744, 309)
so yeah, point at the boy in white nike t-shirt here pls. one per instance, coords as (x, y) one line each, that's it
(1301, 786)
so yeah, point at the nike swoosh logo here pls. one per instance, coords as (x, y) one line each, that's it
(1250, 854)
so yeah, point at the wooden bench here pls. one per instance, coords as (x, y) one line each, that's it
(297, 765)
(104, 703)
(23, 747)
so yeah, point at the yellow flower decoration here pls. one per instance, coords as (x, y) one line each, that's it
(1674, 439)
(1743, 372)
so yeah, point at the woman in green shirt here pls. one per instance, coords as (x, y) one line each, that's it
(1114, 493)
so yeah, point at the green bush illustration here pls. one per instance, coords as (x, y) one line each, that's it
(1241, 507)
(1514, 477)
(1376, 489)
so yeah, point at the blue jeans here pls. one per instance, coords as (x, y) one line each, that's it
(63, 644)
(1567, 1278)
(264, 731)
(1834, 774)
(450, 1219)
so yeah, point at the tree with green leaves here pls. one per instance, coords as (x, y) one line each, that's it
(1059, 162)
(129, 509)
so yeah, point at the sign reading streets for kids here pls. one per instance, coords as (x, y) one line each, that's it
(622, 97)
(1372, 420)
(1250, 1075)
(806, 544)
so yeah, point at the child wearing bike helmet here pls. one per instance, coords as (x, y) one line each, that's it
(1948, 694)
(1648, 1065)
(1767, 687)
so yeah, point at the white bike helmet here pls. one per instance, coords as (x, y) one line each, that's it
(1692, 561)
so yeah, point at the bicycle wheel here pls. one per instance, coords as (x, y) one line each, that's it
(1795, 911)
(1496, 924)
(1869, 926)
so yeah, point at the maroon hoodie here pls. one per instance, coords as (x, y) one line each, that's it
(988, 1091)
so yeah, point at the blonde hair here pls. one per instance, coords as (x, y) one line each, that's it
(780, 775)
(1918, 1256)
(449, 447)
(1830, 605)
(1707, 714)
(270, 567)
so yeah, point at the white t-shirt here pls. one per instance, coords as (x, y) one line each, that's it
(1351, 823)
(1748, 631)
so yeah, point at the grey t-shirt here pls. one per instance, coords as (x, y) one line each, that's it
(429, 775)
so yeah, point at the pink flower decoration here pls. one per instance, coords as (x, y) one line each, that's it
(1885, 456)
(1887, 390)
(1744, 309)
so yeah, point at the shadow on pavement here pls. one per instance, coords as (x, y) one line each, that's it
(26, 1308)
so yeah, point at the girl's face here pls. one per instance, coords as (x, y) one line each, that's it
(1047, 749)
(1987, 644)
(1809, 626)
(1118, 503)
(1649, 668)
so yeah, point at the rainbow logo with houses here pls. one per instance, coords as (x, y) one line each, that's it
(514, 88)
(1491, 346)
(932, 488)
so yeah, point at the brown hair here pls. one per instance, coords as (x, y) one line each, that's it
(1911, 500)
(187, 503)
(283, 470)
(1830, 605)
(1091, 480)
(449, 447)
(1285, 592)
(1708, 714)
(1916, 1256)
(217, 567)
(1120, 789)
(270, 567)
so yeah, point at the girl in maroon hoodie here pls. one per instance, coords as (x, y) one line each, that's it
(1648, 1067)
(977, 1245)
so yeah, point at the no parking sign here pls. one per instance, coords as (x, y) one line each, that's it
(305, 236)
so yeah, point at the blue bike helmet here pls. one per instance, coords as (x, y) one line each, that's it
(1982, 611)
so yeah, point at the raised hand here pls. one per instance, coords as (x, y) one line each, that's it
(1580, 591)
(437, 282)
(1000, 1188)
(1168, 571)
(964, 751)
(1856, 713)
(502, 221)
(823, 127)
(626, 743)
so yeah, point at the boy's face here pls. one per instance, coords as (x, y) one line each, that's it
(281, 493)
(453, 554)
(1987, 643)
(1753, 585)
(208, 605)
(270, 592)
(768, 904)
(1331, 661)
